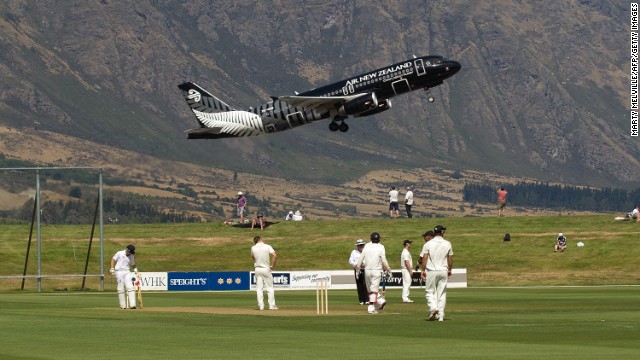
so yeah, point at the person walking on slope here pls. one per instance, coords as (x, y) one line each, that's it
(502, 201)
(241, 203)
(437, 262)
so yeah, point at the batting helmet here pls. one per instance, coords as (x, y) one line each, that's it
(131, 249)
(375, 236)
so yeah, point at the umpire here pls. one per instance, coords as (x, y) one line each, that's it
(363, 297)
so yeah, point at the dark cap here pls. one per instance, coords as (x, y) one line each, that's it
(439, 229)
(429, 233)
(404, 243)
(131, 249)
(375, 236)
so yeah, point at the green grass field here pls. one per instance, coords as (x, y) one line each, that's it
(312, 245)
(513, 308)
(482, 323)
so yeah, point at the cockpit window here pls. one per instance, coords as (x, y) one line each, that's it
(435, 61)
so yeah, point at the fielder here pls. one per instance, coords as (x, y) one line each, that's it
(375, 260)
(406, 264)
(264, 258)
(121, 262)
(437, 262)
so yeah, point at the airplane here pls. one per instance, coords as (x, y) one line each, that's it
(363, 95)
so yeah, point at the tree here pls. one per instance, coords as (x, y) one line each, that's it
(75, 192)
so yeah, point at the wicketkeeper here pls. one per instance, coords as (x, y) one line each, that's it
(121, 262)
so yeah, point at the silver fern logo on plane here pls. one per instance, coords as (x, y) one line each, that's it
(194, 95)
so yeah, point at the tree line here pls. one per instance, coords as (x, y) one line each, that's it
(83, 212)
(544, 195)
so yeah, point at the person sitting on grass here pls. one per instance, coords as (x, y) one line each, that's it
(635, 214)
(259, 221)
(561, 243)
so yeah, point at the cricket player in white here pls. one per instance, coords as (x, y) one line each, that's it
(406, 264)
(375, 260)
(264, 258)
(120, 265)
(437, 261)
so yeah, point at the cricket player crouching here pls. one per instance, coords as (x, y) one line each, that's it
(120, 265)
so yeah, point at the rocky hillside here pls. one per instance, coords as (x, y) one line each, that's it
(542, 92)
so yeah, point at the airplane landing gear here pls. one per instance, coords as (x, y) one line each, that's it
(430, 98)
(342, 126)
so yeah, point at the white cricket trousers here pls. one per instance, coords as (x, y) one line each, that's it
(372, 279)
(264, 280)
(436, 291)
(125, 280)
(406, 284)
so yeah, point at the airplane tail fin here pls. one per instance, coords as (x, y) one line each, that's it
(201, 100)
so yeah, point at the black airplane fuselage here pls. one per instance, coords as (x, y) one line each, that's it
(358, 96)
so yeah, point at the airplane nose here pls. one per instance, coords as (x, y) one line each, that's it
(453, 67)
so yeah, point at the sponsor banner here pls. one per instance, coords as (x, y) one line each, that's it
(295, 280)
(238, 280)
(154, 281)
(309, 279)
(281, 280)
(342, 279)
(189, 281)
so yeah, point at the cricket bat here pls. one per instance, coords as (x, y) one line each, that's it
(139, 284)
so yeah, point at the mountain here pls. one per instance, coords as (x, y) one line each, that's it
(542, 92)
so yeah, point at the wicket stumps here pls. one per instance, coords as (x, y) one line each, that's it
(322, 297)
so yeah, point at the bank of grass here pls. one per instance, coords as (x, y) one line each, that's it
(611, 254)
(481, 323)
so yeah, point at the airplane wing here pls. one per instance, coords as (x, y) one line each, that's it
(318, 103)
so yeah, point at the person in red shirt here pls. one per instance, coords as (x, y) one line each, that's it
(502, 201)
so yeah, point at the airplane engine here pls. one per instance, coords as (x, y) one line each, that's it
(363, 103)
(384, 105)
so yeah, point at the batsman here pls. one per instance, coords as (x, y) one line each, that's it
(375, 262)
(121, 264)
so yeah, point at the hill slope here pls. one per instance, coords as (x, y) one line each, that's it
(541, 93)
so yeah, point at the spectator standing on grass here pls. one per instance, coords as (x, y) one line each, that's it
(561, 243)
(241, 203)
(406, 264)
(363, 297)
(408, 202)
(437, 262)
(374, 260)
(393, 203)
(502, 201)
(264, 261)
